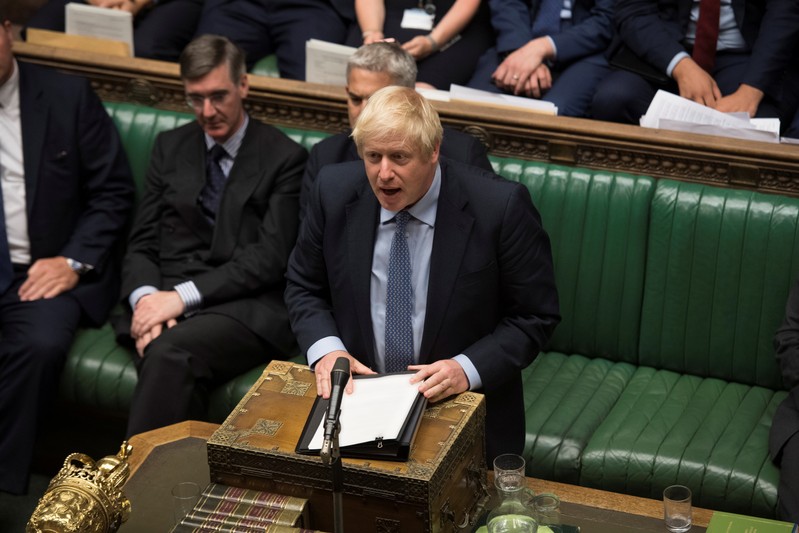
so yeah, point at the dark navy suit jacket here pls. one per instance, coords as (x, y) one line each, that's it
(78, 185)
(655, 30)
(589, 34)
(491, 292)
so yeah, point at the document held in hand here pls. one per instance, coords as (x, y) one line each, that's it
(378, 420)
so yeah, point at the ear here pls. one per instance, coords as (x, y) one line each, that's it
(244, 85)
(436, 153)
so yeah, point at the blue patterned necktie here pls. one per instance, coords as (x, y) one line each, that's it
(547, 19)
(6, 270)
(214, 184)
(399, 300)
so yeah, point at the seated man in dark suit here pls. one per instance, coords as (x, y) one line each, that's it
(732, 59)
(370, 68)
(784, 437)
(280, 27)
(553, 50)
(66, 196)
(211, 239)
(408, 260)
(161, 28)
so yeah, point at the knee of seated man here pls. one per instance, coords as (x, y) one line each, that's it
(167, 354)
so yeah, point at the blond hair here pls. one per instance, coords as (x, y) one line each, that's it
(399, 113)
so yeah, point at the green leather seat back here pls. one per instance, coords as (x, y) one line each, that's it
(720, 265)
(705, 433)
(138, 127)
(598, 225)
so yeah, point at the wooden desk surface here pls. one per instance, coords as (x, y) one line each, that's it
(156, 453)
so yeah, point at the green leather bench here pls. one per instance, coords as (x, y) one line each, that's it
(662, 369)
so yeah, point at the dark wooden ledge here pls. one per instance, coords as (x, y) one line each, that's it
(592, 144)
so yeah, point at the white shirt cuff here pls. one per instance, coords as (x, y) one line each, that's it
(471, 372)
(192, 299)
(676, 59)
(137, 294)
(322, 347)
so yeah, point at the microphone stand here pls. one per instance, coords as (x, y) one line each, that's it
(331, 455)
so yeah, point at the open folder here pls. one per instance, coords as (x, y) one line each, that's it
(378, 420)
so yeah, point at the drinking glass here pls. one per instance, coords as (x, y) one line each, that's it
(185, 496)
(677, 508)
(514, 514)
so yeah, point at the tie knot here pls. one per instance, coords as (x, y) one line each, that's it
(401, 219)
(217, 152)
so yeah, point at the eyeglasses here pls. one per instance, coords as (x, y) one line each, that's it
(197, 101)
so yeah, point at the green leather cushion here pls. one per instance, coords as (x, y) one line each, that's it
(718, 272)
(565, 400)
(598, 224)
(705, 433)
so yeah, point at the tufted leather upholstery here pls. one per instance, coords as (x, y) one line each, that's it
(662, 369)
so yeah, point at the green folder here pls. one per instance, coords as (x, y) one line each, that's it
(736, 523)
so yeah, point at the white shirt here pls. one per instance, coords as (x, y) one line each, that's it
(12, 171)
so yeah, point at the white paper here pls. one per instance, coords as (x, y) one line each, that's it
(417, 19)
(100, 22)
(459, 92)
(326, 62)
(672, 112)
(377, 408)
(434, 94)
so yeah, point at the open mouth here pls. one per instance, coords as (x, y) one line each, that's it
(390, 192)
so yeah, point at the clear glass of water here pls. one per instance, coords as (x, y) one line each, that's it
(677, 508)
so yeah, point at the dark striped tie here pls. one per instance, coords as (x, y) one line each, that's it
(399, 300)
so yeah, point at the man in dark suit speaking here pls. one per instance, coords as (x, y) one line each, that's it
(407, 260)
(65, 199)
(209, 247)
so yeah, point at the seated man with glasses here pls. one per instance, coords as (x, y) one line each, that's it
(204, 271)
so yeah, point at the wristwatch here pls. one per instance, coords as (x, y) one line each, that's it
(78, 267)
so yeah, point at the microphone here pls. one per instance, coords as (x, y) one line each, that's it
(339, 377)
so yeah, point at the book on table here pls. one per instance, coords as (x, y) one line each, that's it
(378, 420)
(224, 508)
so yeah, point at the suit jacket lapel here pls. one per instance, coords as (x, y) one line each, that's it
(33, 116)
(362, 220)
(452, 234)
(191, 170)
(241, 183)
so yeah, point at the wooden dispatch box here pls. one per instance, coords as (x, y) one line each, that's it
(441, 488)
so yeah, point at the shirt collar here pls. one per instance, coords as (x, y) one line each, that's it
(233, 143)
(426, 208)
(9, 91)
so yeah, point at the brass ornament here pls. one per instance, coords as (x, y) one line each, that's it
(86, 496)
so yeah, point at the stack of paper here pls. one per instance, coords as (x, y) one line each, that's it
(671, 112)
(467, 94)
